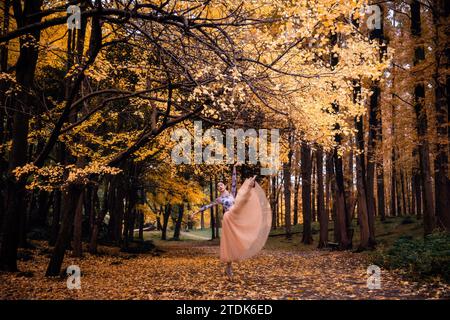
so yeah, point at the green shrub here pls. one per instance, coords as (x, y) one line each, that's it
(421, 258)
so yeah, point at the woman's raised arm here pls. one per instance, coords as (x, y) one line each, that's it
(212, 204)
(206, 207)
(233, 182)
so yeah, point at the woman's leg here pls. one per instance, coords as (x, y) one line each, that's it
(229, 271)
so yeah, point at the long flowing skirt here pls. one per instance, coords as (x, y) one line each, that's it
(246, 225)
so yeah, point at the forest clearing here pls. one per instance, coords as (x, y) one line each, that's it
(224, 149)
(189, 269)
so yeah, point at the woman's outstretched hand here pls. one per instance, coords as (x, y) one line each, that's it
(192, 215)
(253, 181)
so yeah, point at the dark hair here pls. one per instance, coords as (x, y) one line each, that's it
(222, 182)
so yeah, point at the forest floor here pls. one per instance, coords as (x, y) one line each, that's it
(191, 270)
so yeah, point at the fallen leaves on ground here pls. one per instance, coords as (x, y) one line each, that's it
(193, 271)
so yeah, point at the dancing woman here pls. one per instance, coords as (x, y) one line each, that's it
(246, 222)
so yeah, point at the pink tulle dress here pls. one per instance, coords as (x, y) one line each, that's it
(246, 223)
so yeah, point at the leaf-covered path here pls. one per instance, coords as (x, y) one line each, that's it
(191, 270)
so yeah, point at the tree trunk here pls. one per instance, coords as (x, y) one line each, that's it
(404, 191)
(78, 229)
(38, 216)
(129, 217)
(116, 205)
(57, 203)
(306, 193)
(399, 194)
(422, 125)
(177, 231)
(393, 207)
(341, 210)
(25, 70)
(363, 214)
(347, 161)
(321, 213)
(167, 213)
(370, 171)
(342, 222)
(78, 223)
(287, 196)
(408, 192)
(332, 196)
(99, 221)
(375, 139)
(202, 220)
(296, 184)
(3, 68)
(212, 219)
(274, 202)
(328, 183)
(141, 226)
(413, 195)
(280, 205)
(132, 223)
(3, 115)
(89, 206)
(442, 98)
(380, 192)
(24, 223)
(313, 188)
(217, 219)
(418, 194)
(74, 202)
(287, 166)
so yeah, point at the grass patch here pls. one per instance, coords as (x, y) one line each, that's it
(418, 258)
